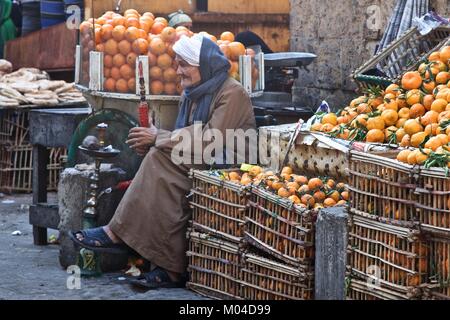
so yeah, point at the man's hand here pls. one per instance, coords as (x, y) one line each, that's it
(141, 139)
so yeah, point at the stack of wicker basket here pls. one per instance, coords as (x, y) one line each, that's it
(246, 243)
(399, 230)
(16, 156)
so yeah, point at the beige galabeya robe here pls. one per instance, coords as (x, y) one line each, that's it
(153, 216)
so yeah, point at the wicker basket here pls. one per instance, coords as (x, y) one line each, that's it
(433, 201)
(383, 189)
(264, 279)
(359, 290)
(219, 206)
(16, 168)
(214, 267)
(399, 254)
(278, 227)
(400, 56)
(13, 128)
(439, 286)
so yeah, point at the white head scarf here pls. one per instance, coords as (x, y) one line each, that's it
(189, 49)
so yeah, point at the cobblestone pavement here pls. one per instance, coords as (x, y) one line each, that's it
(33, 272)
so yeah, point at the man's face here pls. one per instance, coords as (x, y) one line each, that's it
(190, 75)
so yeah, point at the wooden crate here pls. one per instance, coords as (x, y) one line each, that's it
(280, 228)
(359, 290)
(219, 206)
(264, 279)
(433, 201)
(383, 189)
(400, 255)
(214, 266)
(16, 168)
(439, 286)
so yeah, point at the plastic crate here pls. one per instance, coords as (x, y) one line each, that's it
(402, 55)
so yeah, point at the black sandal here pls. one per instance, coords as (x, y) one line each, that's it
(97, 240)
(156, 279)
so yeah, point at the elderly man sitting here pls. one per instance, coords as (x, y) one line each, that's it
(152, 218)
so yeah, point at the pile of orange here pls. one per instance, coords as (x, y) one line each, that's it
(311, 193)
(414, 113)
(122, 38)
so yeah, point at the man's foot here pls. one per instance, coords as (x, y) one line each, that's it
(158, 278)
(97, 239)
(115, 239)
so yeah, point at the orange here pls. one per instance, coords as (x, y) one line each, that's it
(146, 26)
(151, 59)
(445, 54)
(319, 196)
(335, 196)
(131, 59)
(110, 85)
(295, 199)
(127, 72)
(142, 34)
(168, 34)
(124, 47)
(375, 123)
(234, 68)
(162, 20)
(164, 61)
(388, 132)
(170, 51)
(429, 118)
(100, 47)
(132, 22)
(119, 21)
(375, 136)
(434, 56)
(157, 46)
(115, 73)
(111, 47)
(85, 27)
(442, 77)
(100, 21)
(428, 101)
(434, 143)
(404, 113)
(412, 157)
(106, 32)
(236, 49)
(314, 184)
(411, 80)
(225, 50)
(107, 72)
(417, 110)
(169, 75)
(412, 126)
(122, 86)
(140, 46)
(170, 88)
(301, 180)
(406, 141)
(118, 33)
(390, 117)
(156, 87)
(329, 118)
(131, 11)
(156, 73)
(132, 85)
(329, 203)
(157, 27)
(428, 86)
(413, 97)
(422, 155)
(439, 105)
(400, 133)
(400, 122)
(308, 200)
(149, 14)
(393, 89)
(444, 138)
(418, 139)
(403, 156)
(431, 129)
(364, 108)
(119, 60)
(108, 61)
(227, 36)
(391, 104)
(131, 34)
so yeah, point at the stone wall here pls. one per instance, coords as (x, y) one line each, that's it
(343, 34)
